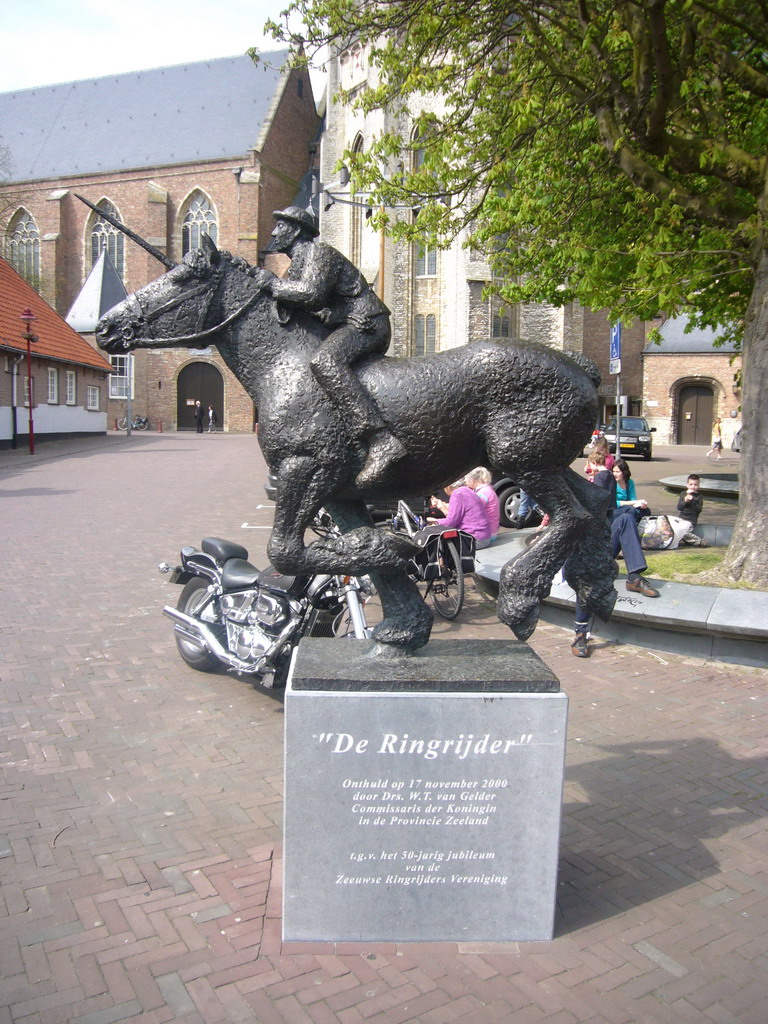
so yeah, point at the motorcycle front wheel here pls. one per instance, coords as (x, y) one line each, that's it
(192, 597)
(123, 423)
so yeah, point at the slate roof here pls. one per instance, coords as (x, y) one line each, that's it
(56, 339)
(208, 110)
(675, 339)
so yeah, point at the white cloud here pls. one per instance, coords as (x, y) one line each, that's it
(51, 41)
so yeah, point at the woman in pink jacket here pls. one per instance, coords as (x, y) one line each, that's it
(464, 511)
(479, 480)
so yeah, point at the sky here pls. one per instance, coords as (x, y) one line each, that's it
(46, 42)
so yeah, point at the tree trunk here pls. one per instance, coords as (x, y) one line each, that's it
(746, 560)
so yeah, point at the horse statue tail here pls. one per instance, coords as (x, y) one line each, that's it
(587, 366)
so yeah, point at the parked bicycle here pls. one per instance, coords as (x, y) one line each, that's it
(137, 423)
(445, 556)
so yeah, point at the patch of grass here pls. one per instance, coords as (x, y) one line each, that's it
(699, 566)
(671, 565)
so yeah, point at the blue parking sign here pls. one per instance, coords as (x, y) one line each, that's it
(616, 341)
(615, 351)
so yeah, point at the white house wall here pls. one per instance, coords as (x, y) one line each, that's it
(6, 423)
(52, 419)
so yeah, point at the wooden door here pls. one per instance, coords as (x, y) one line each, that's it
(694, 422)
(203, 381)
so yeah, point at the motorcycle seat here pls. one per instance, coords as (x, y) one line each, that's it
(221, 550)
(238, 573)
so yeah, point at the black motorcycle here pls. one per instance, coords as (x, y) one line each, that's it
(250, 620)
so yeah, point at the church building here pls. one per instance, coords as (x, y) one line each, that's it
(441, 298)
(174, 153)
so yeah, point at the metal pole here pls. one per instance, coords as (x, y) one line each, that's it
(31, 396)
(15, 400)
(28, 317)
(382, 254)
(618, 415)
(129, 377)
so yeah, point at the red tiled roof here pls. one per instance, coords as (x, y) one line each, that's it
(56, 339)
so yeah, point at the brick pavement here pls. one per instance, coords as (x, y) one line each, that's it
(140, 805)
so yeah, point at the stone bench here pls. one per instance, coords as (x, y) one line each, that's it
(707, 622)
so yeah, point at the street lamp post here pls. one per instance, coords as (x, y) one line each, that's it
(28, 318)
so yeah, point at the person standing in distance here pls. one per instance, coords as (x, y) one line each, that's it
(199, 414)
(717, 440)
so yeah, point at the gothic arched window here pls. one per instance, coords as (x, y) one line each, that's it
(106, 236)
(418, 336)
(23, 247)
(426, 261)
(500, 326)
(418, 155)
(199, 219)
(431, 332)
(424, 335)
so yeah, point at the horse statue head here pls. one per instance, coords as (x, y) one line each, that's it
(172, 311)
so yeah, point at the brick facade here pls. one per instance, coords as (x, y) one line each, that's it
(596, 344)
(152, 201)
(667, 374)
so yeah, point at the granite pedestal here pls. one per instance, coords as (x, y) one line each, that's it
(422, 795)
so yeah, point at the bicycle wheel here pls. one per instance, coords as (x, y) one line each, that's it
(448, 591)
(123, 423)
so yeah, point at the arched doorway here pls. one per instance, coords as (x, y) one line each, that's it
(198, 381)
(695, 403)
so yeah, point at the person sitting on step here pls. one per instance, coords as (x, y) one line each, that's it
(689, 505)
(624, 538)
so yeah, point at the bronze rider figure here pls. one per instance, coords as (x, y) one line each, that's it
(326, 284)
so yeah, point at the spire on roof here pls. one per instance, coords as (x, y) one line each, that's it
(102, 290)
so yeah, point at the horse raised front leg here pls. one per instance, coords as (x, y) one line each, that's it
(407, 620)
(302, 488)
(526, 579)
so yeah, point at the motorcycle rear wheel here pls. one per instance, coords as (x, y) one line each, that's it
(193, 595)
(141, 424)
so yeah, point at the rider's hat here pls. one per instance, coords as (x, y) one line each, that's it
(296, 215)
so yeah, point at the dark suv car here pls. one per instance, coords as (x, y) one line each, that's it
(635, 436)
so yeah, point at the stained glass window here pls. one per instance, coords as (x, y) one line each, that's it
(199, 220)
(106, 236)
(23, 247)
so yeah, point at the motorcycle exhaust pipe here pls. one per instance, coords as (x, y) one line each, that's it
(193, 629)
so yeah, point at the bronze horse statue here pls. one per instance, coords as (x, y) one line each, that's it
(521, 408)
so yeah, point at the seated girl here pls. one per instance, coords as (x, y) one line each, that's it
(626, 495)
